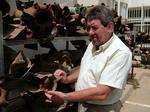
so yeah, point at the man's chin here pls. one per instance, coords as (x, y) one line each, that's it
(95, 43)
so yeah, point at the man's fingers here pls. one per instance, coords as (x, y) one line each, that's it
(49, 96)
(55, 93)
(52, 92)
(49, 101)
(59, 73)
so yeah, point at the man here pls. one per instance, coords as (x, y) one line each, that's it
(104, 67)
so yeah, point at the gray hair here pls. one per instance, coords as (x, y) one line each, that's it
(100, 12)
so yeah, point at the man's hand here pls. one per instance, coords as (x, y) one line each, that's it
(55, 97)
(60, 75)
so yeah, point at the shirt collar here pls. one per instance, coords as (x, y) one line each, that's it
(102, 47)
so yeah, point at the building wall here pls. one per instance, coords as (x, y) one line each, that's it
(108, 3)
(137, 3)
(61, 2)
(88, 2)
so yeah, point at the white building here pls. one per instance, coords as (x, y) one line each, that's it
(122, 8)
(139, 14)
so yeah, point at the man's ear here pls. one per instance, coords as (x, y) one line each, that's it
(110, 27)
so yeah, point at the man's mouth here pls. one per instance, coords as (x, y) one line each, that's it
(94, 39)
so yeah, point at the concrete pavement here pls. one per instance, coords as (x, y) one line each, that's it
(137, 100)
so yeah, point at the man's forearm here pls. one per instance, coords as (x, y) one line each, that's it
(93, 93)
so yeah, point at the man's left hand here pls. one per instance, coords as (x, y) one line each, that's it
(55, 96)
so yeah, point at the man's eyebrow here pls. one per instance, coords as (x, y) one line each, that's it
(92, 24)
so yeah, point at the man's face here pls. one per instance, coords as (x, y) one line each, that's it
(97, 32)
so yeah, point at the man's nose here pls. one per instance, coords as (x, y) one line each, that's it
(91, 32)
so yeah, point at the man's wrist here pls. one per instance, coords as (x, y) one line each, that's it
(65, 98)
(64, 80)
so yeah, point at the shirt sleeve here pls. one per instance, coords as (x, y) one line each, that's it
(116, 71)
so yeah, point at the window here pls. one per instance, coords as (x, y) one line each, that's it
(149, 12)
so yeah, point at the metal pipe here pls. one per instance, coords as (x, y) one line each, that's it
(1, 47)
(142, 18)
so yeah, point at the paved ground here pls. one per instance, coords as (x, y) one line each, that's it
(139, 99)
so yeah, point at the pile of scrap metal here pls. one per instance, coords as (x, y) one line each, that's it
(120, 28)
(2, 96)
(19, 99)
(33, 21)
(10, 31)
(62, 59)
(42, 21)
(38, 20)
(30, 83)
(145, 58)
(142, 37)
